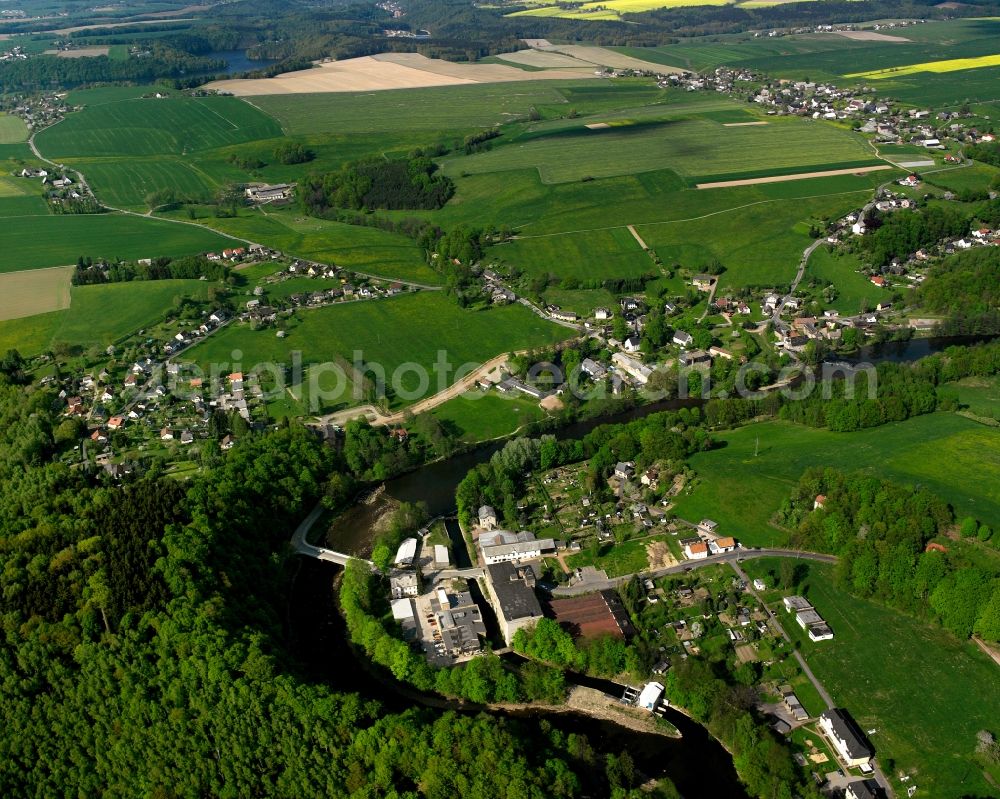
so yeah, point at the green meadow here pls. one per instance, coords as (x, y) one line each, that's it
(12, 129)
(409, 330)
(923, 691)
(480, 417)
(99, 315)
(855, 292)
(364, 249)
(60, 240)
(952, 456)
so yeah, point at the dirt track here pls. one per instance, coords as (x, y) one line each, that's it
(724, 184)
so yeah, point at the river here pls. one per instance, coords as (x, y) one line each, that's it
(697, 764)
(435, 483)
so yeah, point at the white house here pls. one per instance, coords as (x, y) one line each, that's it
(683, 339)
(846, 737)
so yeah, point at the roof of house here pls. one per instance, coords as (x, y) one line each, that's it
(402, 609)
(407, 550)
(516, 599)
(726, 541)
(846, 728)
(486, 510)
(864, 789)
(701, 546)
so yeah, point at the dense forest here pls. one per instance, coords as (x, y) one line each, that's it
(45, 72)
(966, 289)
(144, 649)
(881, 530)
(899, 235)
(378, 184)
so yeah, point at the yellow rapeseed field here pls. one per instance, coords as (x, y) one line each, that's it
(950, 65)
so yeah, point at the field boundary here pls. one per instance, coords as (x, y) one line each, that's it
(829, 173)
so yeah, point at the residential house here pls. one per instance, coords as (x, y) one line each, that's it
(842, 731)
(593, 369)
(403, 584)
(187, 437)
(695, 358)
(632, 344)
(683, 339)
(708, 526)
(695, 549)
(625, 470)
(502, 546)
(703, 282)
(602, 314)
(487, 517)
(116, 422)
(864, 789)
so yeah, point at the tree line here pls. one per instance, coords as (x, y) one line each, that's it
(881, 531)
(193, 267)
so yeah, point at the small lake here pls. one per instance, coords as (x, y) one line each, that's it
(237, 61)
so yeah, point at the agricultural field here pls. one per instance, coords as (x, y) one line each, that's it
(12, 129)
(59, 240)
(21, 197)
(144, 127)
(125, 183)
(955, 457)
(698, 149)
(363, 249)
(879, 660)
(406, 331)
(33, 292)
(96, 315)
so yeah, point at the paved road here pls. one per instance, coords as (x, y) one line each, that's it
(824, 694)
(588, 586)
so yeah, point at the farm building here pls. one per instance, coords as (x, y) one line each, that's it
(796, 603)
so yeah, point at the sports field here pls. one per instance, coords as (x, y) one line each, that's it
(954, 457)
(12, 129)
(410, 330)
(485, 416)
(60, 240)
(920, 688)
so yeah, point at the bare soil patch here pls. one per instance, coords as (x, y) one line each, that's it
(743, 124)
(870, 36)
(725, 184)
(80, 52)
(34, 291)
(383, 72)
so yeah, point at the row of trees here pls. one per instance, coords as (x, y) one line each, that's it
(192, 267)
